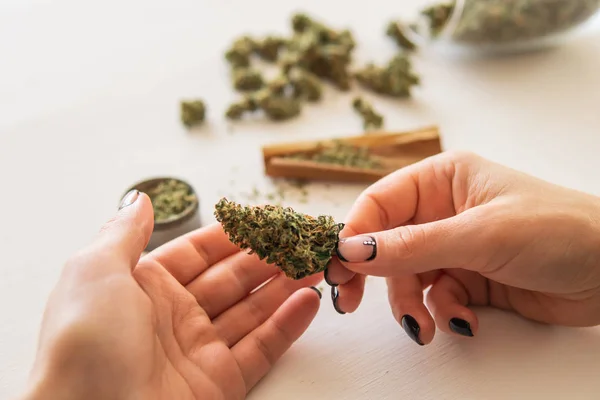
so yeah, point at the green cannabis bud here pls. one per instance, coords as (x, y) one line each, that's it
(247, 79)
(170, 198)
(437, 16)
(239, 53)
(306, 84)
(394, 31)
(192, 112)
(371, 119)
(268, 48)
(395, 79)
(279, 108)
(299, 244)
(342, 154)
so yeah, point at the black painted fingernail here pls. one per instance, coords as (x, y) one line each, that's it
(326, 277)
(357, 249)
(335, 294)
(318, 291)
(461, 327)
(412, 328)
(129, 198)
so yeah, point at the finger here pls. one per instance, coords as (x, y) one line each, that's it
(247, 315)
(260, 349)
(190, 255)
(347, 297)
(405, 295)
(336, 274)
(414, 249)
(225, 284)
(120, 242)
(448, 299)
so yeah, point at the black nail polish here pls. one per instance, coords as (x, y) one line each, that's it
(461, 327)
(412, 328)
(326, 277)
(318, 291)
(335, 294)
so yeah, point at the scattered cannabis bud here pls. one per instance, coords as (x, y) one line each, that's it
(239, 53)
(342, 154)
(192, 112)
(170, 198)
(268, 48)
(437, 16)
(299, 244)
(276, 107)
(395, 79)
(501, 21)
(247, 79)
(394, 31)
(371, 119)
(306, 84)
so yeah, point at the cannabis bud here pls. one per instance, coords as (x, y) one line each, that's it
(268, 48)
(239, 53)
(306, 84)
(394, 31)
(192, 112)
(395, 79)
(299, 244)
(247, 79)
(371, 119)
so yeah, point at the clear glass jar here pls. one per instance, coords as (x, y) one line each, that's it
(499, 25)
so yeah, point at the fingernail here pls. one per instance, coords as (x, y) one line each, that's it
(412, 328)
(461, 327)
(326, 277)
(357, 249)
(318, 291)
(335, 294)
(129, 198)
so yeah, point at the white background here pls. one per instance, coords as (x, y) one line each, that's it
(89, 96)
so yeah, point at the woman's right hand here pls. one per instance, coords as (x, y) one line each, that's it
(475, 233)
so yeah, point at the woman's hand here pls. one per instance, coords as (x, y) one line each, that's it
(475, 233)
(182, 323)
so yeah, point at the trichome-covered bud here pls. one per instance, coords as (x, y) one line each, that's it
(371, 119)
(298, 244)
(394, 30)
(247, 79)
(192, 112)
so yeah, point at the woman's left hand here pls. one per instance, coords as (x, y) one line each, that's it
(183, 322)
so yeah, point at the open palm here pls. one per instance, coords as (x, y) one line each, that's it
(194, 319)
(218, 339)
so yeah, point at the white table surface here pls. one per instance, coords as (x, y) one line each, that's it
(89, 97)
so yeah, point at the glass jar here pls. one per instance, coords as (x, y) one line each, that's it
(499, 25)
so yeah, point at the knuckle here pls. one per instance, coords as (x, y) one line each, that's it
(407, 241)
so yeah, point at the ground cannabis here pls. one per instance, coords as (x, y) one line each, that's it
(192, 112)
(170, 198)
(395, 32)
(502, 21)
(394, 79)
(299, 244)
(342, 154)
(371, 119)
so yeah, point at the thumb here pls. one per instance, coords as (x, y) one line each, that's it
(412, 249)
(122, 239)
